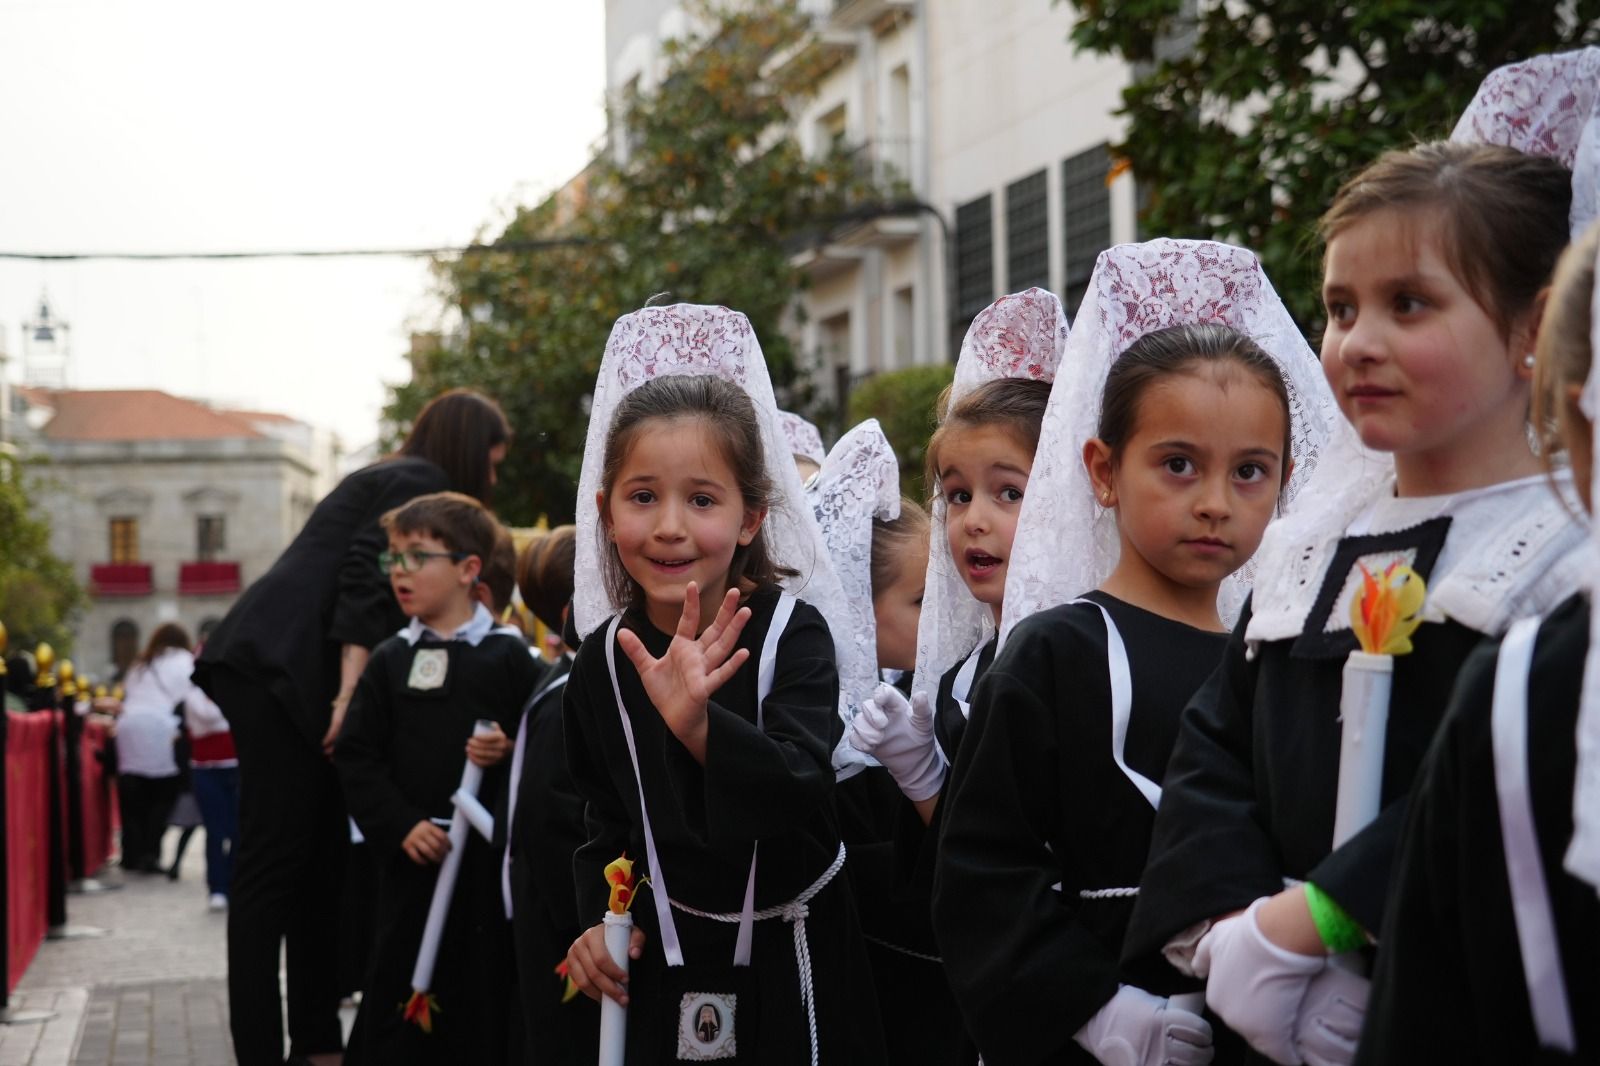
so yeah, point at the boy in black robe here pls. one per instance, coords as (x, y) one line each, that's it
(400, 759)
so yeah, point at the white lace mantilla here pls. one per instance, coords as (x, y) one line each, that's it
(698, 339)
(803, 437)
(1547, 106)
(1022, 335)
(1066, 542)
(1513, 549)
(859, 483)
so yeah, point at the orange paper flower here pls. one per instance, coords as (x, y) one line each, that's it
(569, 987)
(1387, 609)
(619, 875)
(419, 1010)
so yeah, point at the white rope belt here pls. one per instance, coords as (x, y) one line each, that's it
(1109, 893)
(794, 912)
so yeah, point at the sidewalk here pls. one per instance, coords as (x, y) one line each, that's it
(152, 992)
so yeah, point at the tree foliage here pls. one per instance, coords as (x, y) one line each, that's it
(1245, 115)
(39, 596)
(706, 205)
(903, 402)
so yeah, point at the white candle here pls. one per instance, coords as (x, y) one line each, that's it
(1364, 714)
(445, 886)
(613, 1015)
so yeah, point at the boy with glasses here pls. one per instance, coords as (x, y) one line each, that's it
(400, 757)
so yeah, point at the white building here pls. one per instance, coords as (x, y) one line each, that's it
(987, 114)
(165, 507)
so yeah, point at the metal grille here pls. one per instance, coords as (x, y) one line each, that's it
(1027, 233)
(974, 266)
(1087, 215)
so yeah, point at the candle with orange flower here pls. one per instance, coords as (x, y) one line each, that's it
(1386, 610)
(619, 930)
(420, 1008)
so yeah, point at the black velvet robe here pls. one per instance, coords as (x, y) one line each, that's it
(400, 756)
(547, 831)
(1037, 811)
(772, 784)
(1449, 985)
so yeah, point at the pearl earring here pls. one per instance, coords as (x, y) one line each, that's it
(1527, 360)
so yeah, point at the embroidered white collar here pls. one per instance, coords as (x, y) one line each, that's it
(1511, 551)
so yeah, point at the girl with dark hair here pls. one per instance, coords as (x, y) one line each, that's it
(1169, 448)
(283, 664)
(149, 778)
(701, 719)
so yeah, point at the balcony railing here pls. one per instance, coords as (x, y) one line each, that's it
(208, 579)
(120, 579)
(855, 13)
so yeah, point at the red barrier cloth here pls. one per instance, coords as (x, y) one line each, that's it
(97, 797)
(28, 739)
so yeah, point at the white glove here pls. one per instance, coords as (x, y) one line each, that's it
(900, 736)
(1135, 1028)
(1254, 985)
(1331, 1017)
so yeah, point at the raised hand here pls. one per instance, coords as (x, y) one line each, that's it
(899, 734)
(681, 682)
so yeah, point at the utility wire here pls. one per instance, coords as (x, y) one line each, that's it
(538, 244)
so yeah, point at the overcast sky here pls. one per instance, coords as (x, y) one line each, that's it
(193, 125)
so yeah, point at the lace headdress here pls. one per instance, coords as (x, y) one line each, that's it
(697, 339)
(803, 437)
(1583, 856)
(1547, 106)
(1018, 336)
(859, 483)
(1066, 543)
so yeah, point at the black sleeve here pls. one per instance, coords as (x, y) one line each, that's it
(558, 819)
(362, 756)
(1210, 853)
(605, 814)
(1013, 945)
(364, 606)
(761, 781)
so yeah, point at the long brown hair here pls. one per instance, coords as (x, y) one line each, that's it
(167, 635)
(729, 415)
(1564, 352)
(455, 432)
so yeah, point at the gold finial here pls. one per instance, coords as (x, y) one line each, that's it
(99, 692)
(4, 640)
(66, 672)
(44, 656)
(69, 688)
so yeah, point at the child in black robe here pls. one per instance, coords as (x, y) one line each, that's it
(978, 461)
(1434, 257)
(1051, 802)
(400, 755)
(544, 828)
(1487, 953)
(704, 750)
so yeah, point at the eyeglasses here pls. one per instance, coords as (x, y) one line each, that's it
(412, 561)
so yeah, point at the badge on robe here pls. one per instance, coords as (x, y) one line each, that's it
(1327, 634)
(706, 1026)
(428, 669)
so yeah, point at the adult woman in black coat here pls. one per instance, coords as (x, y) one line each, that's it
(282, 665)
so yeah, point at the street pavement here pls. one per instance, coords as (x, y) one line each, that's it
(151, 992)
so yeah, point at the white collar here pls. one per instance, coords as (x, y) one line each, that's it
(1510, 556)
(479, 626)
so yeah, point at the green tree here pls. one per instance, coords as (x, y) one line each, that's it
(712, 196)
(1245, 116)
(39, 597)
(903, 402)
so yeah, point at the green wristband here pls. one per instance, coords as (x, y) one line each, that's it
(1339, 932)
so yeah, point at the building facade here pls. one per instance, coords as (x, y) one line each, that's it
(982, 112)
(165, 507)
